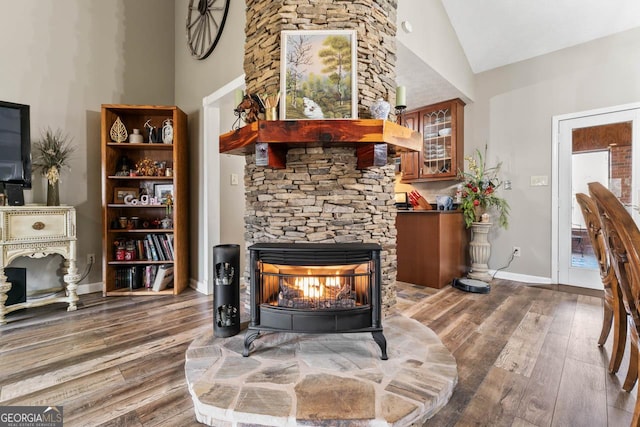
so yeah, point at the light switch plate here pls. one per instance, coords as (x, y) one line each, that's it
(539, 180)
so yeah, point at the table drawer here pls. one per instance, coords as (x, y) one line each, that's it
(27, 226)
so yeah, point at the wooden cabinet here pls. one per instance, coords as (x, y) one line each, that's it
(442, 128)
(411, 120)
(410, 165)
(432, 247)
(144, 200)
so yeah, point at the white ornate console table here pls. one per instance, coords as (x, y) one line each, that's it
(37, 231)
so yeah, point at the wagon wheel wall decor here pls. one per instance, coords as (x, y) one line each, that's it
(205, 21)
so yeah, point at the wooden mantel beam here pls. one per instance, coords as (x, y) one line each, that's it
(371, 137)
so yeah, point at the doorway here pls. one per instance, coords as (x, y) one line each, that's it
(592, 146)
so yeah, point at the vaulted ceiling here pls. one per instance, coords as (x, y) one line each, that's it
(494, 33)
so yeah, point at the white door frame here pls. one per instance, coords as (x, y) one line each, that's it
(555, 173)
(215, 105)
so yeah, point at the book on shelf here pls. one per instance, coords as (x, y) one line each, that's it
(158, 247)
(149, 275)
(129, 277)
(164, 241)
(164, 277)
(140, 254)
(147, 250)
(170, 243)
(152, 248)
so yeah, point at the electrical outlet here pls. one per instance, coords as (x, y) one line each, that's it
(91, 258)
(516, 251)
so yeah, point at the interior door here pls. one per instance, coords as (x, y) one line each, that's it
(591, 148)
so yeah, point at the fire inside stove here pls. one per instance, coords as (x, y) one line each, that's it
(316, 288)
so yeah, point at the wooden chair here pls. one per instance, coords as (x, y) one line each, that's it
(614, 310)
(622, 239)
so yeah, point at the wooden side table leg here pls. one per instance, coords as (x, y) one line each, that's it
(71, 279)
(4, 288)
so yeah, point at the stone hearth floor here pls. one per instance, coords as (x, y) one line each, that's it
(321, 380)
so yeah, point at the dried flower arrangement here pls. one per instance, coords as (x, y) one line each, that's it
(52, 154)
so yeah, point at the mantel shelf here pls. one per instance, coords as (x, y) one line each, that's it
(370, 137)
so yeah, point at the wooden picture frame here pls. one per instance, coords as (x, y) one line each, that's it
(119, 193)
(318, 74)
(161, 191)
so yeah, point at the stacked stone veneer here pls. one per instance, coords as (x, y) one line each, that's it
(373, 20)
(320, 197)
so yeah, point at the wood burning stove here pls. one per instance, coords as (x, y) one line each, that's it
(315, 288)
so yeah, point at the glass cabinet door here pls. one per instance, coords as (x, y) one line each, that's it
(442, 129)
(437, 143)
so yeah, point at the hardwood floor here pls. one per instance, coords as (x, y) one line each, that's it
(526, 356)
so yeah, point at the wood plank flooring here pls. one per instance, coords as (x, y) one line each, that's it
(527, 356)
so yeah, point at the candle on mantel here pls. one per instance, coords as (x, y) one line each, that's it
(239, 94)
(401, 96)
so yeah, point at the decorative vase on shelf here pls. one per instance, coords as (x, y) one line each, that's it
(53, 193)
(136, 137)
(53, 186)
(380, 109)
(167, 131)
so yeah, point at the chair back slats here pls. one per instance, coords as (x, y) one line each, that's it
(622, 240)
(594, 230)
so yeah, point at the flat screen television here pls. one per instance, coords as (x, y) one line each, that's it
(15, 144)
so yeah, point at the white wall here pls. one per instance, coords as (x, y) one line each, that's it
(195, 79)
(434, 40)
(512, 113)
(67, 57)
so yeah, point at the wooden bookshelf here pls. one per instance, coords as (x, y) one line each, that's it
(116, 182)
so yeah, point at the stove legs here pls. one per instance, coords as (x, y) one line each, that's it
(249, 337)
(382, 343)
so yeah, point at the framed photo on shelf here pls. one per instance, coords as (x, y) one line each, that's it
(318, 77)
(162, 191)
(119, 193)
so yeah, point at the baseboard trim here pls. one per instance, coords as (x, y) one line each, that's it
(199, 286)
(89, 288)
(525, 278)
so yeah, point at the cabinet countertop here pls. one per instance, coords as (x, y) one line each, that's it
(425, 211)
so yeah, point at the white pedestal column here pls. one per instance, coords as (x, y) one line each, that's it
(480, 250)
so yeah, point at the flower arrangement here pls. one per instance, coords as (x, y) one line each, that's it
(478, 191)
(52, 153)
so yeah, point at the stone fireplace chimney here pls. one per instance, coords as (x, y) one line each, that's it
(374, 21)
(321, 196)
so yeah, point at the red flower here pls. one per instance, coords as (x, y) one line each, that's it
(476, 202)
(474, 189)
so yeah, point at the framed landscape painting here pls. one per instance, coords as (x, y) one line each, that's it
(318, 74)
